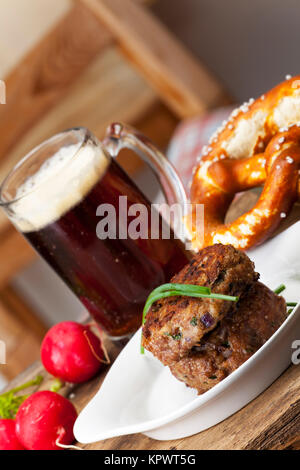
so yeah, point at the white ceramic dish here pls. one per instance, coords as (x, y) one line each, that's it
(139, 394)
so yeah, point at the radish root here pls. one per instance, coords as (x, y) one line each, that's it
(107, 359)
(65, 446)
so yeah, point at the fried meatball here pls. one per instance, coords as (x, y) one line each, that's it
(174, 325)
(204, 340)
(238, 335)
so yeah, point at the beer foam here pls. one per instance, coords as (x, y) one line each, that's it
(60, 184)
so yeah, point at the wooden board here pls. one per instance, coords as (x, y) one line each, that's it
(183, 83)
(108, 90)
(45, 74)
(271, 421)
(22, 332)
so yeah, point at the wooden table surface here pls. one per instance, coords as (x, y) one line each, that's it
(271, 421)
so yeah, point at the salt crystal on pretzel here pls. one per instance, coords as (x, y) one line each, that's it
(259, 145)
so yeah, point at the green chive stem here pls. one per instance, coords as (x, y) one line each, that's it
(279, 289)
(187, 290)
(183, 287)
(36, 381)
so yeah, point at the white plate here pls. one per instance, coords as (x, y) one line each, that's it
(139, 394)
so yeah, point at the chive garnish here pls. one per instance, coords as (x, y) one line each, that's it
(177, 337)
(179, 287)
(188, 290)
(279, 289)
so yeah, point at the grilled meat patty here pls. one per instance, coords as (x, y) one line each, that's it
(239, 335)
(204, 340)
(175, 324)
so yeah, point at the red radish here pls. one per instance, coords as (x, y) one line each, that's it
(72, 352)
(8, 437)
(45, 420)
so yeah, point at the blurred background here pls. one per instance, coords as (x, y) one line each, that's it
(151, 64)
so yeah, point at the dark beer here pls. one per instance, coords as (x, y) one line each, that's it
(111, 277)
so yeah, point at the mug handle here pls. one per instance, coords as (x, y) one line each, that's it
(120, 136)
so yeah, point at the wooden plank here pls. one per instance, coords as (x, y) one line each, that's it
(23, 24)
(157, 124)
(44, 75)
(15, 254)
(273, 419)
(184, 84)
(3, 222)
(21, 336)
(273, 422)
(108, 90)
(20, 32)
(14, 303)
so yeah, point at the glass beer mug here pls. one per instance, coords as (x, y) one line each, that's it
(54, 197)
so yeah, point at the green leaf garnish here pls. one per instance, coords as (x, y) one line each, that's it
(194, 321)
(188, 290)
(10, 402)
(56, 385)
(278, 290)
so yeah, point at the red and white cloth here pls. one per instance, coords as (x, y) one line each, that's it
(189, 138)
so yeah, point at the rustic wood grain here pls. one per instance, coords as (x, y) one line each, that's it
(15, 254)
(271, 421)
(185, 85)
(44, 75)
(20, 309)
(21, 331)
(108, 90)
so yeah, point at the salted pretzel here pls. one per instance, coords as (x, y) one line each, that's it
(258, 145)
